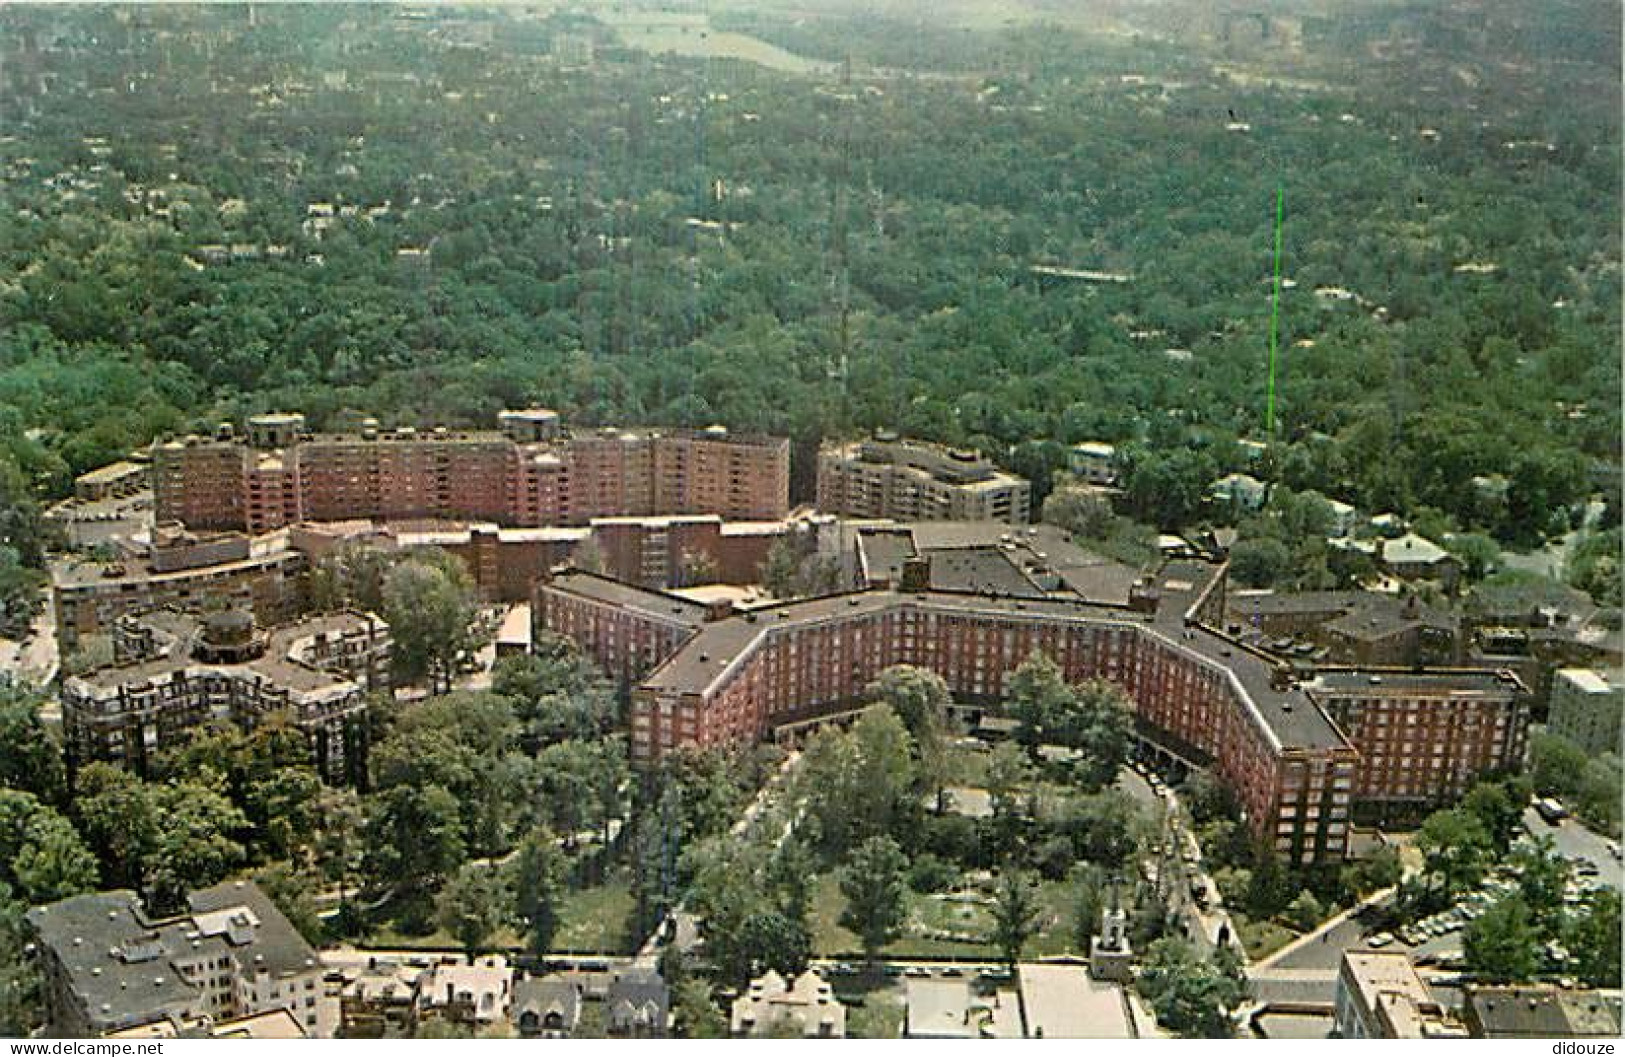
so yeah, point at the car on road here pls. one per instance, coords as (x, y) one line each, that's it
(1551, 810)
(1615, 850)
(916, 971)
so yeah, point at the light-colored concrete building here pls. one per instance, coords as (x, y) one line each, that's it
(1094, 461)
(1586, 708)
(913, 481)
(1380, 996)
(1065, 1002)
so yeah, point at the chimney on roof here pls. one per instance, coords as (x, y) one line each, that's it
(1143, 597)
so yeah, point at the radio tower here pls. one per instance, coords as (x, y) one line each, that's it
(842, 278)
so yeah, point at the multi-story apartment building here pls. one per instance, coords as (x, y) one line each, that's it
(737, 678)
(1586, 708)
(628, 630)
(528, 474)
(1424, 737)
(108, 966)
(913, 481)
(264, 577)
(1299, 756)
(178, 672)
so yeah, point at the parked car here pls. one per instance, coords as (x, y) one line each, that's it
(1380, 940)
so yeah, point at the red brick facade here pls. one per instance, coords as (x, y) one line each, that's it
(1425, 737)
(498, 477)
(1298, 758)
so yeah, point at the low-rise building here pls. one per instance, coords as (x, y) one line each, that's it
(377, 1001)
(1065, 1002)
(1240, 492)
(267, 578)
(1413, 557)
(637, 1005)
(1347, 627)
(955, 1008)
(476, 995)
(1380, 996)
(110, 966)
(546, 1007)
(1093, 461)
(773, 1006)
(1540, 1012)
(1586, 708)
(115, 480)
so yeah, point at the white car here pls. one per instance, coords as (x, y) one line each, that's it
(1380, 940)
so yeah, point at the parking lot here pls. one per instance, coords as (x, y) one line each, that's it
(1579, 845)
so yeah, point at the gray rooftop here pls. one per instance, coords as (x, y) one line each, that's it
(119, 961)
(669, 607)
(1456, 682)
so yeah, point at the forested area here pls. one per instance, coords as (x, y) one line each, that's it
(659, 240)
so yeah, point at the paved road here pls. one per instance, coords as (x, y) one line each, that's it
(1324, 954)
(1571, 839)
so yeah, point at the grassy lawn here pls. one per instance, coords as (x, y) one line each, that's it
(591, 919)
(594, 919)
(1260, 938)
(929, 918)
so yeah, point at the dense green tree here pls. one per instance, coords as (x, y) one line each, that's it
(21, 1004)
(1089, 904)
(474, 905)
(430, 609)
(294, 893)
(196, 845)
(1555, 765)
(1455, 849)
(557, 695)
(42, 858)
(1009, 776)
(1191, 994)
(1502, 945)
(1543, 877)
(874, 882)
(919, 697)
(1015, 915)
(1498, 807)
(1594, 940)
(694, 1011)
(1305, 911)
(118, 816)
(538, 888)
(30, 757)
(414, 842)
(1378, 870)
(859, 783)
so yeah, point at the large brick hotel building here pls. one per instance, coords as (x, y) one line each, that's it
(708, 679)
(529, 473)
